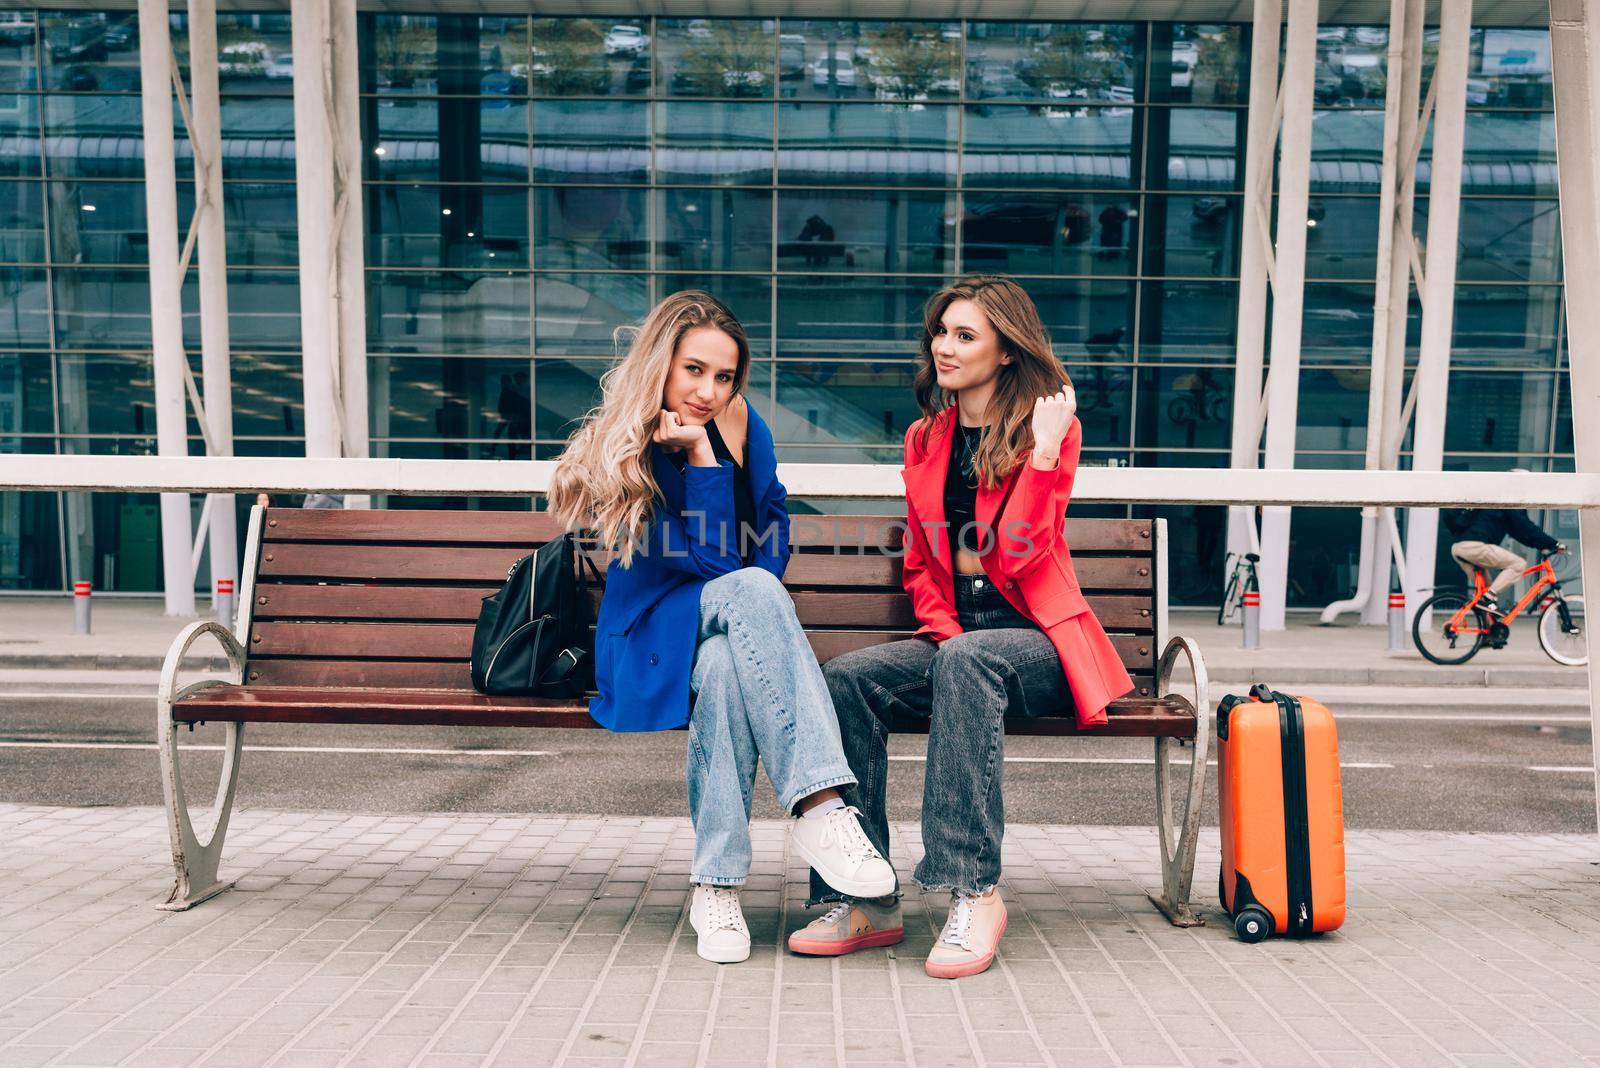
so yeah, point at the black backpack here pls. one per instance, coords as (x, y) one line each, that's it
(532, 637)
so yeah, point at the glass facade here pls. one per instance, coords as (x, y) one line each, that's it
(533, 183)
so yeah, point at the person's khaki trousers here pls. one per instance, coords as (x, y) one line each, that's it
(1474, 554)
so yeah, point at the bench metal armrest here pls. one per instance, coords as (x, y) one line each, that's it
(168, 693)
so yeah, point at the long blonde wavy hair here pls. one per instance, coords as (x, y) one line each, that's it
(603, 482)
(1034, 371)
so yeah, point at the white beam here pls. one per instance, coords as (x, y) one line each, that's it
(1250, 338)
(206, 135)
(1575, 53)
(1288, 296)
(328, 190)
(166, 293)
(1449, 90)
(520, 478)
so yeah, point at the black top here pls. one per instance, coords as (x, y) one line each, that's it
(744, 502)
(961, 489)
(1490, 525)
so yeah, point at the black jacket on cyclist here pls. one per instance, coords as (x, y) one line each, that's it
(1491, 525)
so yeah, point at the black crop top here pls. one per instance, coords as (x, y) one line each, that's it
(961, 489)
(744, 503)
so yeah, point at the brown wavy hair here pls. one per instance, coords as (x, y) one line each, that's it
(1034, 371)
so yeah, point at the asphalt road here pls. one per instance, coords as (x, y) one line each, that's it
(1477, 772)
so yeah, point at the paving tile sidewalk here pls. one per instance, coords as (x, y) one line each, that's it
(465, 939)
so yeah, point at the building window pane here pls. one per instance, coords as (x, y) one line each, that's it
(1199, 64)
(713, 229)
(1185, 407)
(1030, 233)
(1194, 236)
(571, 58)
(447, 312)
(865, 230)
(822, 315)
(714, 143)
(1196, 148)
(447, 226)
(1188, 319)
(844, 403)
(883, 143)
(714, 57)
(21, 222)
(1060, 61)
(591, 141)
(590, 228)
(1500, 411)
(1049, 147)
(20, 144)
(89, 51)
(1085, 320)
(25, 397)
(888, 61)
(748, 296)
(1105, 399)
(578, 314)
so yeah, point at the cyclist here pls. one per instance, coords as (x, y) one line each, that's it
(1477, 533)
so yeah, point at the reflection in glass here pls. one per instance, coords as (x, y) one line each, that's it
(1049, 147)
(748, 296)
(98, 308)
(450, 55)
(1500, 411)
(18, 60)
(25, 400)
(451, 140)
(1199, 64)
(858, 402)
(1506, 325)
(458, 398)
(1185, 407)
(19, 133)
(713, 229)
(897, 144)
(254, 53)
(713, 143)
(715, 57)
(577, 314)
(1352, 66)
(1332, 410)
(1189, 319)
(1058, 61)
(833, 315)
(1196, 148)
(1195, 236)
(864, 230)
(107, 393)
(21, 222)
(1105, 396)
(102, 222)
(268, 395)
(91, 51)
(591, 141)
(447, 226)
(263, 309)
(570, 58)
(1509, 68)
(1342, 237)
(447, 312)
(1504, 239)
(1085, 320)
(590, 227)
(1336, 326)
(1031, 233)
(94, 136)
(1506, 152)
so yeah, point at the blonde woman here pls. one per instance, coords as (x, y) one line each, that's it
(676, 471)
(1004, 626)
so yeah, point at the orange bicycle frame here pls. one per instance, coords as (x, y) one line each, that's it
(1547, 577)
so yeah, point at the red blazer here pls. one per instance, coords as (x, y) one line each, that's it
(1032, 567)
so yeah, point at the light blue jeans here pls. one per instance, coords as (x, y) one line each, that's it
(758, 695)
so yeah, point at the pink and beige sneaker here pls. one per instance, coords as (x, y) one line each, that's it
(970, 937)
(848, 927)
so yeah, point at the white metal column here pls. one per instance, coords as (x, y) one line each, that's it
(166, 293)
(205, 134)
(1449, 91)
(1575, 52)
(1255, 257)
(328, 179)
(1288, 294)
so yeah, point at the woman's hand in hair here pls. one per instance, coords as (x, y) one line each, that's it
(672, 433)
(1052, 419)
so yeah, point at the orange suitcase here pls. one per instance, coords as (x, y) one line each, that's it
(1282, 815)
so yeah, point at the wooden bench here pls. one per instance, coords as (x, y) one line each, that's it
(367, 617)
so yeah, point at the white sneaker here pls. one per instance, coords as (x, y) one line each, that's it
(839, 850)
(715, 915)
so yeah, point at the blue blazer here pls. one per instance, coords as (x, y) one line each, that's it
(649, 622)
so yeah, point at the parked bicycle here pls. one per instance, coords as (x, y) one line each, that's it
(1459, 624)
(1241, 577)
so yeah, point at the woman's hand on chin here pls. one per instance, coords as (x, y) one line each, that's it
(673, 434)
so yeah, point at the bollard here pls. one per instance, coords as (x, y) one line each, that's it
(1252, 619)
(1397, 621)
(80, 607)
(222, 603)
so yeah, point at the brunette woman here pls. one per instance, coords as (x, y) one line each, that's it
(676, 472)
(1004, 628)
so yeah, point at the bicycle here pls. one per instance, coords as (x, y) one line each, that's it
(1460, 626)
(1241, 576)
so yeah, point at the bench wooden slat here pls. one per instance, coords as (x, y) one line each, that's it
(527, 529)
(453, 641)
(486, 564)
(422, 707)
(340, 601)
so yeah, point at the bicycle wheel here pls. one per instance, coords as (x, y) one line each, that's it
(1225, 610)
(1561, 633)
(1441, 642)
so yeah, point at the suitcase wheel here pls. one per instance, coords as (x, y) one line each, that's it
(1252, 924)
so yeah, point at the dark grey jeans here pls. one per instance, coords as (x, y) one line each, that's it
(964, 687)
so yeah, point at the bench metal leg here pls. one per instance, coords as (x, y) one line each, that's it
(194, 861)
(1177, 854)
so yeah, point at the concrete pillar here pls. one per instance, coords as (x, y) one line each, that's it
(166, 304)
(1575, 50)
(217, 377)
(328, 194)
(1438, 287)
(1261, 141)
(1288, 295)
